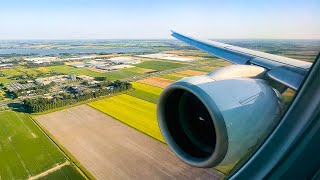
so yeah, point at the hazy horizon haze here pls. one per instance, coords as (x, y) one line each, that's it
(142, 19)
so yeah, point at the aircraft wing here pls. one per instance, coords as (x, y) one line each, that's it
(287, 71)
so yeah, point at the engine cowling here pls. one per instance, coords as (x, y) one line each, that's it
(214, 120)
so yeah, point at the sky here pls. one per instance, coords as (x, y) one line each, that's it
(153, 19)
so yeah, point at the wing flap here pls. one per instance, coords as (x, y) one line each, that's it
(286, 77)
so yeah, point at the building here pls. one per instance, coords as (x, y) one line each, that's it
(78, 65)
(5, 66)
(107, 68)
(55, 79)
(110, 88)
(89, 64)
(123, 60)
(73, 77)
(85, 78)
(95, 64)
(170, 57)
(122, 66)
(93, 82)
(40, 60)
(115, 67)
(14, 86)
(76, 90)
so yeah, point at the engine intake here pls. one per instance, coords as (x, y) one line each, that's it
(209, 122)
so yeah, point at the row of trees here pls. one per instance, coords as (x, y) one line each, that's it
(64, 99)
(100, 78)
(35, 65)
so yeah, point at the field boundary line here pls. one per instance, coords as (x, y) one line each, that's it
(53, 169)
(80, 103)
(65, 152)
(128, 125)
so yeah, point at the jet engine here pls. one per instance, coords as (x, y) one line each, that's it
(215, 119)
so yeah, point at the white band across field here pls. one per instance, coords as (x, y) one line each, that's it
(45, 173)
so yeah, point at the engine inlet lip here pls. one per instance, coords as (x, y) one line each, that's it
(221, 146)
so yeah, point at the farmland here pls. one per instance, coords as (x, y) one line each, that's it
(135, 112)
(160, 65)
(147, 88)
(43, 69)
(98, 134)
(110, 149)
(120, 74)
(64, 69)
(288, 96)
(156, 81)
(145, 92)
(170, 77)
(192, 72)
(26, 152)
(5, 80)
(19, 70)
(139, 70)
(207, 68)
(78, 71)
(113, 75)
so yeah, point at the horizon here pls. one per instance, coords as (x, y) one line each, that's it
(163, 39)
(141, 19)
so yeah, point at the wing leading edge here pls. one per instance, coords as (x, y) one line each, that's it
(287, 71)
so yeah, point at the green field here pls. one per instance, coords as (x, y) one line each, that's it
(147, 88)
(66, 172)
(207, 68)
(120, 74)
(171, 77)
(138, 70)
(145, 92)
(11, 72)
(25, 151)
(64, 69)
(23, 70)
(135, 112)
(17, 71)
(113, 75)
(5, 80)
(78, 71)
(160, 65)
(2, 95)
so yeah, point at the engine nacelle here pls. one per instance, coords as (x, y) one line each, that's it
(209, 121)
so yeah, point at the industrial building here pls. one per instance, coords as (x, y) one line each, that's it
(115, 67)
(123, 60)
(5, 66)
(55, 79)
(73, 77)
(40, 60)
(14, 86)
(78, 65)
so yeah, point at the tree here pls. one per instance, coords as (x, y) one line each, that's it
(100, 78)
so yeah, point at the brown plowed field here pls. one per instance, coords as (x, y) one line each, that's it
(110, 149)
(156, 81)
(192, 72)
